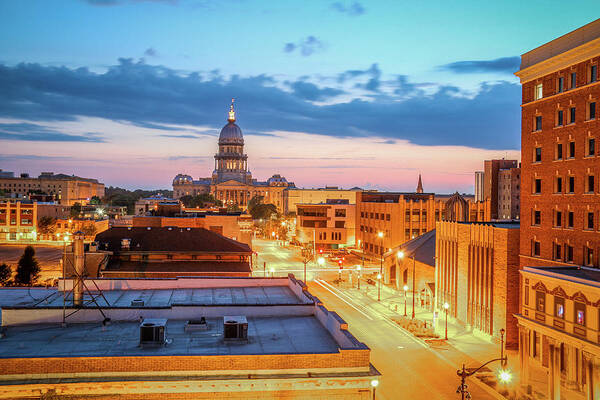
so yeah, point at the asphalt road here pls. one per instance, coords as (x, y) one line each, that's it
(47, 256)
(409, 368)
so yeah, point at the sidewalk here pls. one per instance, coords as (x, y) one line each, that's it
(462, 346)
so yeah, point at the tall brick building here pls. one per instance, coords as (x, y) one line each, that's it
(560, 166)
(501, 184)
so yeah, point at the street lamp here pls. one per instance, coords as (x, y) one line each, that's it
(374, 384)
(405, 289)
(401, 255)
(504, 375)
(379, 287)
(446, 307)
(358, 269)
(380, 234)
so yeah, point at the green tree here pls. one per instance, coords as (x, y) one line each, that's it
(5, 274)
(28, 269)
(264, 211)
(255, 201)
(47, 225)
(200, 201)
(95, 200)
(75, 210)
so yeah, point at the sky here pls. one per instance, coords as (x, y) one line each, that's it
(345, 93)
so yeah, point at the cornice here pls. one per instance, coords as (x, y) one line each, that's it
(579, 54)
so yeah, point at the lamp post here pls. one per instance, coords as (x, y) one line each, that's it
(374, 384)
(358, 269)
(504, 375)
(321, 261)
(401, 256)
(380, 234)
(405, 289)
(446, 307)
(379, 287)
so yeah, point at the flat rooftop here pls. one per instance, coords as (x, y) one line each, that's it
(157, 298)
(266, 335)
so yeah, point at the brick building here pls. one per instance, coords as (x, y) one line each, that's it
(477, 275)
(501, 184)
(211, 338)
(559, 326)
(19, 219)
(294, 196)
(560, 168)
(65, 189)
(168, 252)
(330, 224)
(404, 216)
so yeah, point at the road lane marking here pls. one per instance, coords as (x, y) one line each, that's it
(339, 297)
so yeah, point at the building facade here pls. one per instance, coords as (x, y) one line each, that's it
(65, 189)
(294, 196)
(477, 275)
(330, 225)
(559, 332)
(479, 185)
(231, 181)
(503, 195)
(560, 195)
(401, 217)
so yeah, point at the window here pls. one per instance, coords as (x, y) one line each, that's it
(592, 110)
(561, 84)
(556, 251)
(569, 253)
(535, 248)
(526, 296)
(538, 154)
(537, 189)
(559, 307)
(539, 91)
(558, 219)
(579, 313)
(560, 118)
(572, 115)
(559, 187)
(590, 184)
(340, 212)
(387, 217)
(538, 123)
(362, 214)
(571, 149)
(540, 301)
(570, 218)
(571, 188)
(591, 147)
(590, 220)
(559, 151)
(593, 73)
(588, 254)
(573, 80)
(537, 217)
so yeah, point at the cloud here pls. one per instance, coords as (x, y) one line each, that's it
(150, 52)
(354, 9)
(143, 94)
(506, 65)
(307, 46)
(37, 133)
(310, 91)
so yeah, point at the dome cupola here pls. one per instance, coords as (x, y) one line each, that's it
(231, 133)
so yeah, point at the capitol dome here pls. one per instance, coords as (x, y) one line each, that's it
(182, 179)
(231, 133)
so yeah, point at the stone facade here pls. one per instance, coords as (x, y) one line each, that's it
(477, 275)
(295, 196)
(331, 224)
(560, 195)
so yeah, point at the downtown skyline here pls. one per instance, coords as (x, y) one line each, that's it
(140, 98)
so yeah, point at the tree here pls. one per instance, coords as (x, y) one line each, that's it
(5, 274)
(95, 200)
(264, 211)
(255, 201)
(199, 201)
(75, 210)
(28, 269)
(233, 208)
(46, 225)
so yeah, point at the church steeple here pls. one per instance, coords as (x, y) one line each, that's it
(420, 185)
(231, 117)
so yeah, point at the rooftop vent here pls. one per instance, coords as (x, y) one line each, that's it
(196, 325)
(152, 332)
(137, 303)
(235, 328)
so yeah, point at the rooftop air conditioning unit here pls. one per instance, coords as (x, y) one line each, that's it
(235, 328)
(153, 332)
(137, 303)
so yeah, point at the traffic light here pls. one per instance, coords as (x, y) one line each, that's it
(340, 263)
(320, 251)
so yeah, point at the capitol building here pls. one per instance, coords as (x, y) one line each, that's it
(231, 180)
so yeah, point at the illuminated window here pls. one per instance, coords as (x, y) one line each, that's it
(559, 307)
(539, 91)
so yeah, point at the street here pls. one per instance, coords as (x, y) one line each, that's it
(410, 368)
